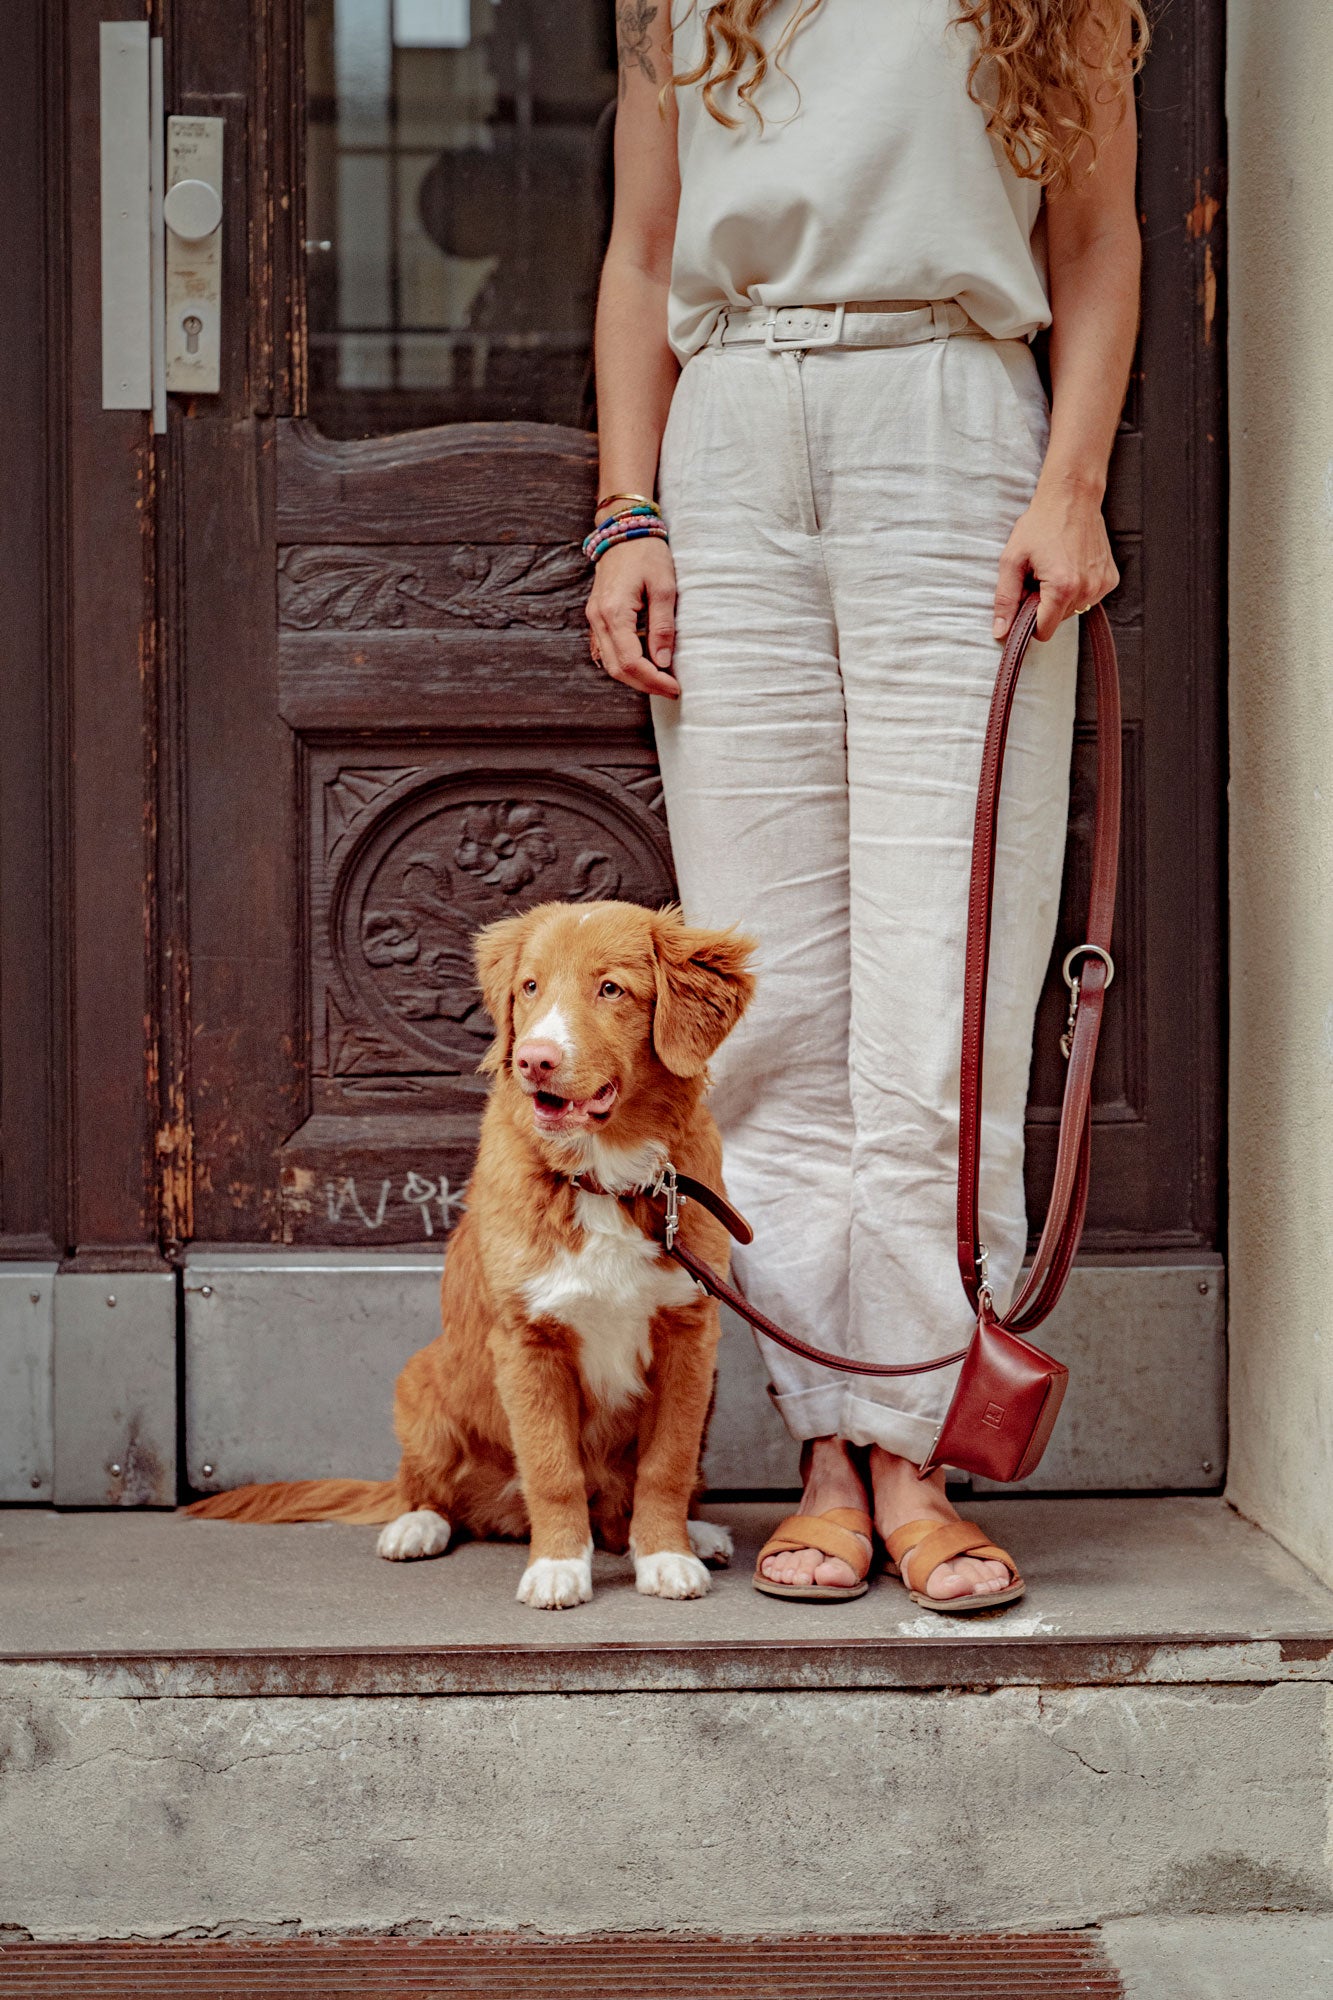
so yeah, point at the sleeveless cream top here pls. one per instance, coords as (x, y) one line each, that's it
(879, 181)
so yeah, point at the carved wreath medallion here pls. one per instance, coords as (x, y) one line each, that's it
(415, 862)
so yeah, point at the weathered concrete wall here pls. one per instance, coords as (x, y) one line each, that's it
(1280, 83)
(749, 1812)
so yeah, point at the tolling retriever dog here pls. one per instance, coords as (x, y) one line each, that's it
(566, 1398)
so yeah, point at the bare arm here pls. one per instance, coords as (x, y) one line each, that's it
(1094, 257)
(636, 369)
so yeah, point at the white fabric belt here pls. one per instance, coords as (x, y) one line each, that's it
(834, 326)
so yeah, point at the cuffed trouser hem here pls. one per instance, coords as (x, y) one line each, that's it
(830, 1411)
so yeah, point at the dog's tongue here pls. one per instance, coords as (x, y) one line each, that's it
(552, 1110)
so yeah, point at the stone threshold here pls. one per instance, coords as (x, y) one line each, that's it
(1121, 1592)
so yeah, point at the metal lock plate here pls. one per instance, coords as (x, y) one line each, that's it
(192, 212)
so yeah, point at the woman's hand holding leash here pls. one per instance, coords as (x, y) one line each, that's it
(1061, 542)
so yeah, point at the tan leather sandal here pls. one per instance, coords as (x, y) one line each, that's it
(918, 1546)
(834, 1534)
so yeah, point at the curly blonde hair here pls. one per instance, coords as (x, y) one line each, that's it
(1038, 69)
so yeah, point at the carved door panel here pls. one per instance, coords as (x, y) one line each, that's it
(459, 759)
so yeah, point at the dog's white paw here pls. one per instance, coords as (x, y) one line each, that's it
(710, 1543)
(423, 1532)
(670, 1575)
(553, 1583)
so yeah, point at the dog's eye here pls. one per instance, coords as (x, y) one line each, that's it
(529, 986)
(608, 990)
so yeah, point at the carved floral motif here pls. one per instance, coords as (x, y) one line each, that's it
(508, 845)
(438, 866)
(386, 589)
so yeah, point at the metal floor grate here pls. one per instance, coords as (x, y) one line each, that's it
(1042, 1966)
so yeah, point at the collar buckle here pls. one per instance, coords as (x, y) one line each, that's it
(665, 1186)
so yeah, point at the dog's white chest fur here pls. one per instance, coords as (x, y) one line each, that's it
(607, 1291)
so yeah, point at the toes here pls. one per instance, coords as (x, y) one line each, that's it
(792, 1566)
(803, 1566)
(967, 1576)
(945, 1582)
(834, 1570)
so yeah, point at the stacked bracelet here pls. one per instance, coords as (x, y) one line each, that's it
(628, 524)
(606, 499)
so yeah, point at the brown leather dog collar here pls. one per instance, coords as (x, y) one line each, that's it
(673, 1188)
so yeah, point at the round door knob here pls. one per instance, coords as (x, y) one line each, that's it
(193, 210)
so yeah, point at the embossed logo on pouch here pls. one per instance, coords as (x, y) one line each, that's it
(994, 1415)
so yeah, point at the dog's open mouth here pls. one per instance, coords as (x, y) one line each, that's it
(553, 1113)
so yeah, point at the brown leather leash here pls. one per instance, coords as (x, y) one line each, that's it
(672, 1188)
(1087, 992)
(1087, 985)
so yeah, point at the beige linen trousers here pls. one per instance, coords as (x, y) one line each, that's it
(837, 516)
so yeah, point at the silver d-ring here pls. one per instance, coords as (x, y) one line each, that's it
(1084, 951)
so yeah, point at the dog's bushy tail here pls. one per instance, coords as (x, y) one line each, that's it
(364, 1501)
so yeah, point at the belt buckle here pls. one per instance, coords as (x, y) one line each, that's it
(804, 336)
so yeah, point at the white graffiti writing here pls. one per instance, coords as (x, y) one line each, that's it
(437, 1203)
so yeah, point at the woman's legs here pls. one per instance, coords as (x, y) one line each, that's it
(856, 577)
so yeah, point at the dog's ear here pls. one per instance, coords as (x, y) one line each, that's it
(495, 950)
(704, 985)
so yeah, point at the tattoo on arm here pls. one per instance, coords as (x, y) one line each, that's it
(634, 19)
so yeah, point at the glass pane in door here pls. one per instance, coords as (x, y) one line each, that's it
(458, 174)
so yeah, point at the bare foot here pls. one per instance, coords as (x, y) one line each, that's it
(831, 1480)
(901, 1497)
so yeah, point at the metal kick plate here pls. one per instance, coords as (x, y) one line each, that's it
(291, 1355)
(26, 1339)
(115, 1389)
(192, 210)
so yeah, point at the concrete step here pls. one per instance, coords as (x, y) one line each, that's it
(214, 1727)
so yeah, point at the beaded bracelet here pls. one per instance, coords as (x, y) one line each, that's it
(644, 509)
(631, 524)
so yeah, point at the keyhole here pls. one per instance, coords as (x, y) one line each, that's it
(193, 326)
